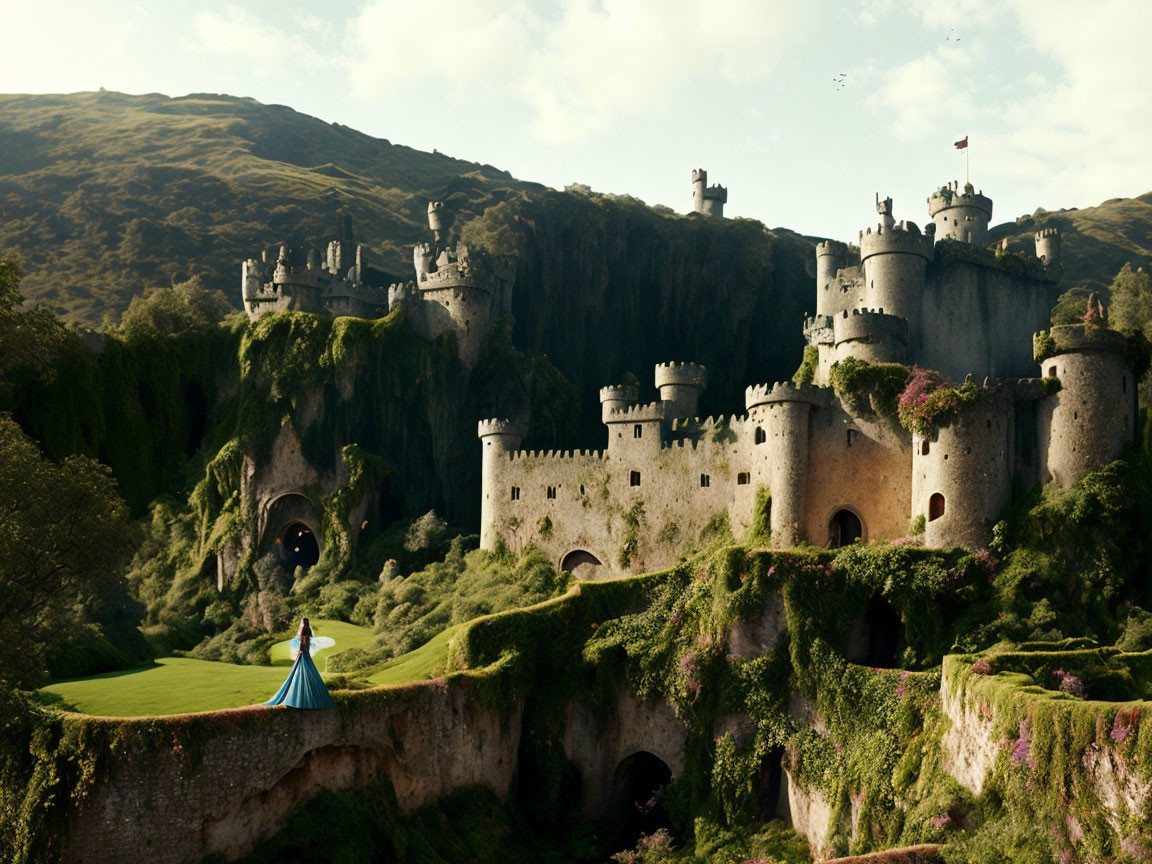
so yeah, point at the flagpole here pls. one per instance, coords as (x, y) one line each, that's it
(967, 148)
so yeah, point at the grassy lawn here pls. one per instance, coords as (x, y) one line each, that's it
(419, 664)
(174, 685)
(346, 636)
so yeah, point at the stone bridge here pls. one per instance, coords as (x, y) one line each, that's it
(221, 781)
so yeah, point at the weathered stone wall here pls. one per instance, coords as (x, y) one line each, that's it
(221, 781)
(976, 317)
(171, 806)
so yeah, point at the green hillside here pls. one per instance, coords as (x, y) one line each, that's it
(1098, 241)
(103, 194)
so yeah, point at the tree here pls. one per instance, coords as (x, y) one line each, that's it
(64, 538)
(1131, 309)
(166, 312)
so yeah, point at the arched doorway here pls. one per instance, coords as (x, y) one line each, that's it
(581, 564)
(844, 528)
(637, 805)
(297, 547)
(772, 788)
(876, 635)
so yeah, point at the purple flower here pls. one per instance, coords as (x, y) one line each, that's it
(940, 821)
(1023, 745)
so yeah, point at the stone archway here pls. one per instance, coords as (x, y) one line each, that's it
(636, 803)
(582, 564)
(845, 527)
(292, 531)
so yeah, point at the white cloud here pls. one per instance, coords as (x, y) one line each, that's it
(577, 71)
(927, 94)
(259, 45)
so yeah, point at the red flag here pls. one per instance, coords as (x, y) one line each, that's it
(960, 145)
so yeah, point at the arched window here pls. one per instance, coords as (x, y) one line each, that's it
(935, 506)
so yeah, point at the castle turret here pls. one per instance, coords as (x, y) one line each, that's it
(616, 397)
(780, 417)
(1086, 424)
(1048, 250)
(498, 438)
(709, 200)
(871, 335)
(436, 219)
(680, 386)
(894, 258)
(831, 258)
(962, 216)
(635, 428)
(962, 473)
(335, 258)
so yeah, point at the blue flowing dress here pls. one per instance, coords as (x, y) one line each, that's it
(304, 687)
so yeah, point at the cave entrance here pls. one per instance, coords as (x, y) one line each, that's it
(772, 788)
(876, 635)
(844, 528)
(581, 564)
(637, 805)
(297, 547)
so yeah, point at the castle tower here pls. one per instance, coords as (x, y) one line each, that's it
(831, 258)
(635, 429)
(680, 386)
(616, 397)
(707, 200)
(894, 258)
(335, 258)
(436, 220)
(870, 335)
(1086, 424)
(1048, 250)
(962, 216)
(962, 474)
(498, 438)
(782, 414)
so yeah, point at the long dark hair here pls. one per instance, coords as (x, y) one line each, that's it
(305, 627)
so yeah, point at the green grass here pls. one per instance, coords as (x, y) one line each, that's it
(424, 662)
(173, 685)
(176, 685)
(346, 636)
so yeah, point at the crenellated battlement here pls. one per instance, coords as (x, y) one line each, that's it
(833, 248)
(501, 426)
(454, 269)
(708, 200)
(556, 456)
(626, 393)
(781, 391)
(683, 374)
(648, 413)
(870, 325)
(903, 237)
(1076, 338)
(950, 196)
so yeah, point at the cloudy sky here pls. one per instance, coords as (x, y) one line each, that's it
(627, 96)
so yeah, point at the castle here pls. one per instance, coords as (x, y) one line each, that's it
(455, 289)
(807, 463)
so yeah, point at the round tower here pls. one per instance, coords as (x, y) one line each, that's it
(962, 216)
(1048, 250)
(616, 397)
(498, 438)
(780, 415)
(870, 335)
(831, 257)
(1086, 424)
(707, 200)
(680, 386)
(962, 474)
(436, 219)
(894, 259)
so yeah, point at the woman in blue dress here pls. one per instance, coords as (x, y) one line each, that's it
(304, 687)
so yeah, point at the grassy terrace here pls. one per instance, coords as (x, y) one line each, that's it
(176, 685)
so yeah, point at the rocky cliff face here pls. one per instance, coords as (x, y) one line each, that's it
(608, 286)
